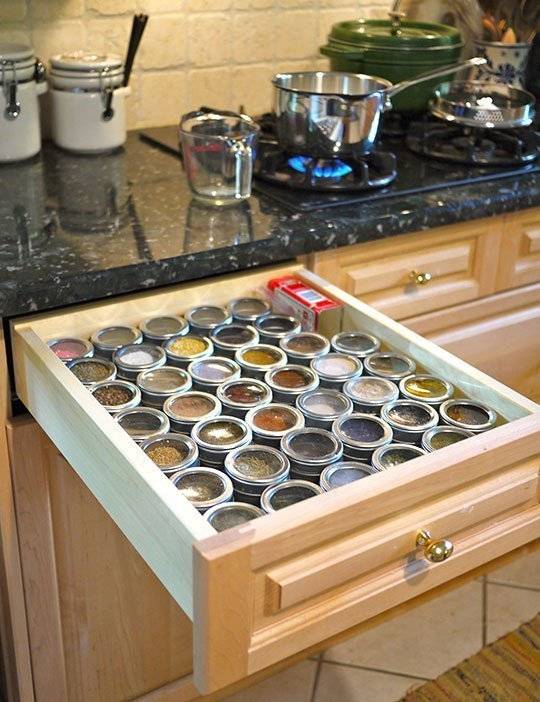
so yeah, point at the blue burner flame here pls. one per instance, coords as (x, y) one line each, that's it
(329, 168)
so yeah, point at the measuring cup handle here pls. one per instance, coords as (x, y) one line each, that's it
(243, 155)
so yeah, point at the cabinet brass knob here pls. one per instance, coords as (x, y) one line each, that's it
(435, 551)
(419, 279)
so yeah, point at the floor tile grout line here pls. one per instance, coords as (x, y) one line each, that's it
(500, 583)
(316, 679)
(484, 610)
(378, 670)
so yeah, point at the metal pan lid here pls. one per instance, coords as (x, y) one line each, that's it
(192, 406)
(277, 497)
(468, 414)
(69, 348)
(164, 327)
(355, 343)
(389, 364)
(324, 404)
(343, 473)
(143, 423)
(305, 345)
(362, 430)
(171, 452)
(311, 446)
(370, 390)
(139, 357)
(274, 420)
(249, 309)
(244, 393)
(203, 487)
(164, 381)
(221, 433)
(232, 514)
(112, 338)
(409, 415)
(394, 455)
(257, 465)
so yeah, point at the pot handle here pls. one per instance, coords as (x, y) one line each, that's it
(438, 72)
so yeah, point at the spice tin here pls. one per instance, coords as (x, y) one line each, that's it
(269, 424)
(247, 310)
(275, 327)
(289, 382)
(92, 370)
(132, 359)
(253, 468)
(343, 473)
(240, 395)
(106, 341)
(369, 394)
(158, 384)
(228, 338)
(335, 369)
(232, 514)
(172, 452)
(186, 409)
(219, 435)
(426, 388)
(143, 423)
(361, 434)
(310, 450)
(181, 351)
(203, 487)
(389, 364)
(161, 329)
(204, 318)
(290, 492)
(256, 360)
(394, 455)
(409, 419)
(69, 348)
(322, 407)
(355, 343)
(303, 347)
(441, 437)
(468, 414)
(209, 373)
(116, 395)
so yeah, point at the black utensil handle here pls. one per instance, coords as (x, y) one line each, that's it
(137, 29)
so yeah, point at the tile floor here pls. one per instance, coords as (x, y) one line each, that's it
(383, 663)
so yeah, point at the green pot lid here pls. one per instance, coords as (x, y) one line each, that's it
(378, 34)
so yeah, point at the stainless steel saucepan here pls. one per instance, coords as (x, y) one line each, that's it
(327, 114)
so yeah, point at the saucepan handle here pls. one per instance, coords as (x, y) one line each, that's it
(437, 73)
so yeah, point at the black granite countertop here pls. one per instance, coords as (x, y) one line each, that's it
(80, 228)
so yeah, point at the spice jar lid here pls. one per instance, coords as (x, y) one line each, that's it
(370, 390)
(362, 430)
(171, 452)
(70, 348)
(389, 364)
(355, 343)
(192, 406)
(312, 447)
(441, 437)
(277, 326)
(274, 420)
(343, 473)
(203, 487)
(112, 338)
(426, 388)
(409, 415)
(232, 514)
(214, 370)
(277, 497)
(261, 357)
(164, 381)
(207, 317)
(248, 309)
(188, 348)
(234, 336)
(116, 395)
(324, 404)
(468, 414)
(292, 379)
(92, 370)
(143, 423)
(337, 366)
(163, 327)
(305, 345)
(256, 465)
(138, 357)
(244, 393)
(223, 433)
(394, 455)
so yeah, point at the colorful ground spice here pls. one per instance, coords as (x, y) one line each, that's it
(260, 357)
(221, 433)
(192, 406)
(467, 414)
(91, 372)
(257, 464)
(445, 438)
(165, 455)
(292, 378)
(426, 387)
(112, 395)
(244, 393)
(188, 346)
(274, 419)
(362, 429)
(409, 415)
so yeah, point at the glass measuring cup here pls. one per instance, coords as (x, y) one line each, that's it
(218, 152)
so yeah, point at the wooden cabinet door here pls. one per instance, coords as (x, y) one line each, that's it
(519, 262)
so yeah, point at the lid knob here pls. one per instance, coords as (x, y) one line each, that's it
(396, 15)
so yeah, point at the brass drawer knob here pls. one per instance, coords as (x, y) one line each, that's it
(419, 279)
(435, 551)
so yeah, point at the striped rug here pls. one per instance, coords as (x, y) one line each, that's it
(507, 670)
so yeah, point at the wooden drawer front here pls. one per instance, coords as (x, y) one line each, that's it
(520, 250)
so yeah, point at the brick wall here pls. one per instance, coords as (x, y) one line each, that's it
(218, 52)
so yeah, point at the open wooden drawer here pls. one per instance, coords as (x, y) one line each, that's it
(264, 591)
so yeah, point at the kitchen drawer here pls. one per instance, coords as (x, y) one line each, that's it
(268, 589)
(520, 250)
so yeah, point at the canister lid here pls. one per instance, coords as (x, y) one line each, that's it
(86, 62)
(380, 34)
(18, 53)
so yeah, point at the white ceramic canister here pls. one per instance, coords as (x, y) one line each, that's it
(88, 102)
(506, 63)
(22, 80)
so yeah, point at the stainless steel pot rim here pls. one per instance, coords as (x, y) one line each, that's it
(336, 394)
(269, 493)
(378, 85)
(386, 437)
(281, 472)
(299, 424)
(220, 448)
(430, 433)
(492, 415)
(426, 376)
(322, 460)
(167, 406)
(224, 496)
(406, 429)
(172, 438)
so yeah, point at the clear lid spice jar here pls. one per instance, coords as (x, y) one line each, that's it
(107, 340)
(217, 436)
(186, 409)
(290, 381)
(361, 434)
(172, 452)
(322, 407)
(203, 487)
(441, 437)
(409, 419)
(116, 395)
(204, 318)
(394, 455)
(70, 348)
(355, 343)
(256, 360)
(369, 393)
(239, 396)
(275, 327)
(228, 338)
(157, 330)
(335, 369)
(181, 351)
(269, 424)
(343, 473)
(389, 364)
(303, 347)
(143, 423)
(310, 450)
(132, 359)
(285, 494)
(247, 310)
(92, 370)
(426, 388)
(158, 384)
(253, 468)
(209, 373)
(468, 414)
(232, 514)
